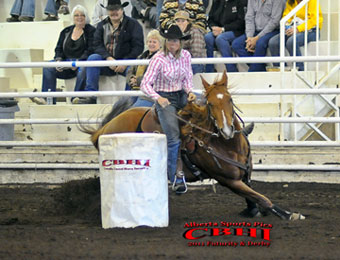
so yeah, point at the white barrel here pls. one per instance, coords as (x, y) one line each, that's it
(133, 180)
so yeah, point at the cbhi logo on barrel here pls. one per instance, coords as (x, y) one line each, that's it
(126, 165)
(230, 234)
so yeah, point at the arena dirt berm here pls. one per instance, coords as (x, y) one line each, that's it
(37, 222)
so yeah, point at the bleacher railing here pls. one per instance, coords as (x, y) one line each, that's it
(281, 91)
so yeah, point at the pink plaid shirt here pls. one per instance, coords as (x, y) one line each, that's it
(167, 74)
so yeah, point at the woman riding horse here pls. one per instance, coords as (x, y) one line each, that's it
(221, 149)
(168, 80)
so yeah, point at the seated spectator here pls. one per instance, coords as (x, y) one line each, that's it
(75, 43)
(262, 23)
(135, 74)
(226, 22)
(23, 10)
(195, 8)
(160, 4)
(196, 44)
(100, 12)
(274, 42)
(117, 37)
(145, 10)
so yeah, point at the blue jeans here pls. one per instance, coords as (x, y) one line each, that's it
(274, 45)
(93, 73)
(141, 102)
(50, 76)
(197, 68)
(170, 127)
(23, 8)
(223, 43)
(239, 46)
(52, 7)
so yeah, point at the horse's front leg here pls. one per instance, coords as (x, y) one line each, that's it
(245, 191)
(240, 188)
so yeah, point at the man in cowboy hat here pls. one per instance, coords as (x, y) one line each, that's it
(100, 12)
(118, 37)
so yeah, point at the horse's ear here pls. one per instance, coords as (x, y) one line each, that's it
(224, 80)
(205, 83)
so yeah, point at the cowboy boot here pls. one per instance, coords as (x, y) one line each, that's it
(179, 185)
(63, 8)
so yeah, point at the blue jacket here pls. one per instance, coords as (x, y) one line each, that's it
(130, 40)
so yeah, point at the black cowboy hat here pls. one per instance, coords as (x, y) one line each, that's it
(115, 4)
(174, 32)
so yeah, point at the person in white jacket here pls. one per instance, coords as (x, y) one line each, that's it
(100, 13)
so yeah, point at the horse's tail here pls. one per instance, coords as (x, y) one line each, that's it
(123, 104)
(94, 132)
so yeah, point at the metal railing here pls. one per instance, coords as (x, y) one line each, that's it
(194, 61)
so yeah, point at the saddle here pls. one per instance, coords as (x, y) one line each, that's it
(150, 122)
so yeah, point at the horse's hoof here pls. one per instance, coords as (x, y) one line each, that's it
(254, 213)
(297, 216)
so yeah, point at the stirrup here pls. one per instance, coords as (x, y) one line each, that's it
(180, 188)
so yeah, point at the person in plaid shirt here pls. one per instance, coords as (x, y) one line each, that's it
(168, 81)
(196, 44)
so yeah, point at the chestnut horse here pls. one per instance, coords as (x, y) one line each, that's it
(214, 134)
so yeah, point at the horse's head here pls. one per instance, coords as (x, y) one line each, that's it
(220, 106)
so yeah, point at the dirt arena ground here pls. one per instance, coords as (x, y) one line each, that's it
(37, 222)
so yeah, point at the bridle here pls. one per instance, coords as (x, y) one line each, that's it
(205, 142)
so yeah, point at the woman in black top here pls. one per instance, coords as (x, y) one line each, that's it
(75, 43)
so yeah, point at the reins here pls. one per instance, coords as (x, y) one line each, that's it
(194, 125)
(216, 154)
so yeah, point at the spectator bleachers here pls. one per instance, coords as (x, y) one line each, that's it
(35, 41)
